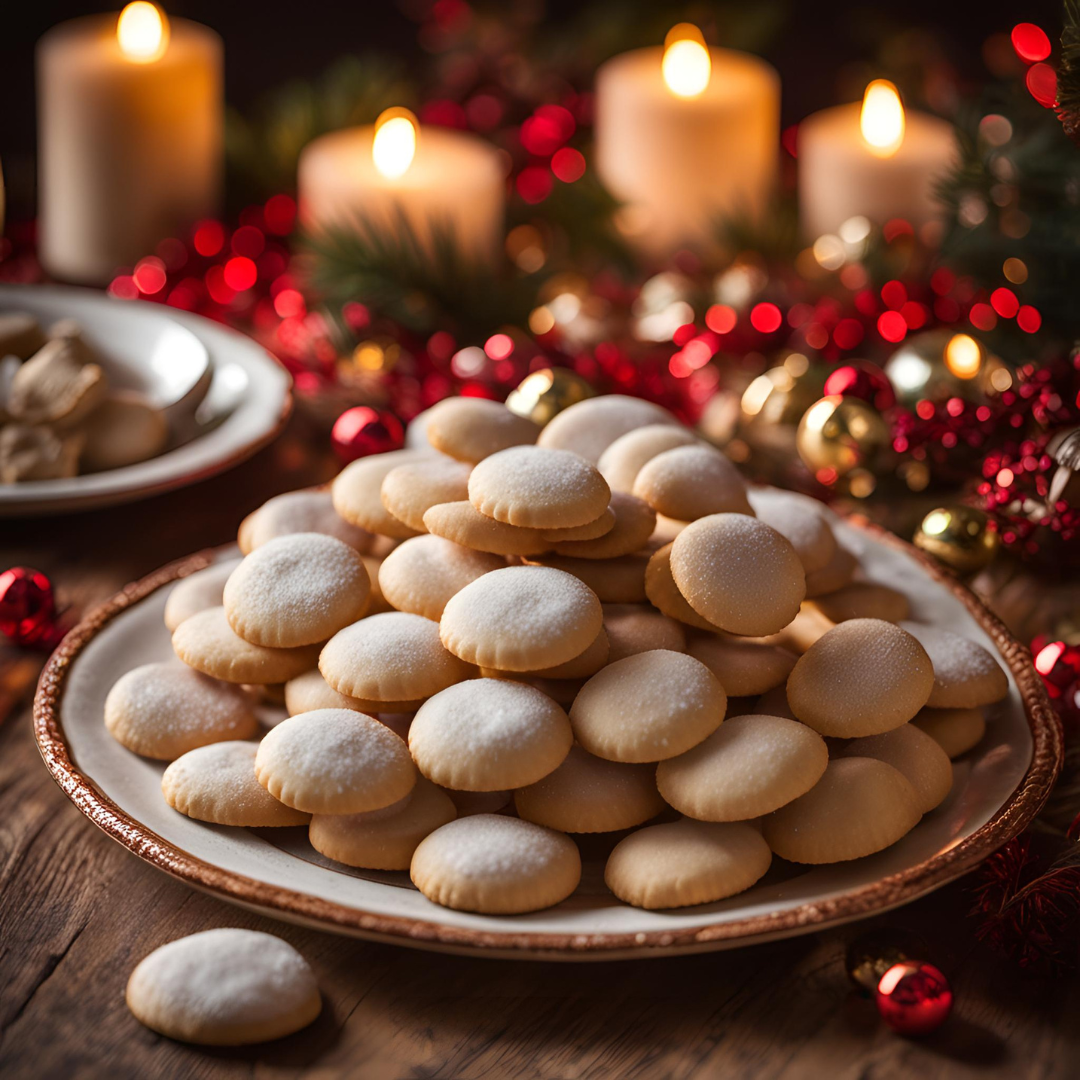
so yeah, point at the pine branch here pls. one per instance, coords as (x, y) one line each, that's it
(1069, 68)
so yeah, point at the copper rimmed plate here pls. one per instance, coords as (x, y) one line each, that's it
(998, 789)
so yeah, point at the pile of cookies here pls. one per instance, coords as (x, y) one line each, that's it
(502, 637)
(58, 415)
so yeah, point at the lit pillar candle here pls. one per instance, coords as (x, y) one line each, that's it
(685, 135)
(440, 182)
(871, 160)
(130, 137)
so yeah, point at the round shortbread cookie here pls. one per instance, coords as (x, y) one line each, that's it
(691, 482)
(376, 602)
(801, 520)
(311, 691)
(463, 524)
(965, 674)
(224, 987)
(393, 657)
(774, 703)
(304, 511)
(648, 707)
(421, 574)
(357, 492)
(749, 766)
(859, 806)
(164, 710)
(197, 592)
(666, 530)
(686, 862)
(664, 594)
(489, 735)
(915, 755)
(579, 668)
(591, 426)
(587, 794)
(496, 865)
(634, 522)
(621, 462)
(412, 489)
(803, 631)
(521, 618)
(637, 628)
(864, 677)
(615, 581)
(835, 574)
(591, 530)
(744, 668)
(296, 590)
(471, 429)
(538, 489)
(334, 761)
(863, 600)
(383, 839)
(217, 783)
(738, 573)
(956, 731)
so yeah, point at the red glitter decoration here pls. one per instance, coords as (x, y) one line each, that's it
(27, 607)
(361, 431)
(863, 380)
(914, 998)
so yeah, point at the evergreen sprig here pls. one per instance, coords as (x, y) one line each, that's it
(1068, 105)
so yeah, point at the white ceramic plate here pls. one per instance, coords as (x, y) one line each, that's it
(998, 787)
(225, 396)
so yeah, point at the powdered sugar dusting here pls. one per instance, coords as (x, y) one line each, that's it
(422, 574)
(483, 847)
(303, 512)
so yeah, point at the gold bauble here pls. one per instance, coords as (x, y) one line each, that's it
(774, 403)
(545, 393)
(939, 364)
(840, 434)
(958, 536)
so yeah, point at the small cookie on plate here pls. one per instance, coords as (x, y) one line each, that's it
(224, 987)
(357, 492)
(591, 426)
(621, 462)
(56, 386)
(421, 574)
(691, 482)
(648, 707)
(965, 674)
(471, 429)
(489, 735)
(412, 489)
(863, 600)
(463, 524)
(197, 592)
(163, 710)
(664, 594)
(744, 668)
(914, 754)
(383, 839)
(334, 761)
(124, 429)
(217, 783)
(615, 581)
(311, 691)
(634, 522)
(637, 628)
(587, 794)
(305, 511)
(32, 452)
(686, 862)
(799, 518)
(496, 865)
(956, 731)
(859, 806)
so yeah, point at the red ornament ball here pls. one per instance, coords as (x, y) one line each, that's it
(361, 431)
(914, 998)
(27, 605)
(1057, 662)
(863, 380)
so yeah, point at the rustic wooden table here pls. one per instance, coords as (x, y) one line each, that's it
(77, 912)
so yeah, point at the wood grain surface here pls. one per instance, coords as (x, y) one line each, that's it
(77, 913)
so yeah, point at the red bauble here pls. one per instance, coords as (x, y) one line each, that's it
(863, 380)
(1057, 662)
(27, 606)
(361, 431)
(914, 998)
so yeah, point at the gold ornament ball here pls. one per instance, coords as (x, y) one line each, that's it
(545, 393)
(958, 536)
(772, 405)
(939, 364)
(840, 434)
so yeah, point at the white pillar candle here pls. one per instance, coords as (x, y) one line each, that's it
(438, 181)
(871, 160)
(130, 138)
(682, 145)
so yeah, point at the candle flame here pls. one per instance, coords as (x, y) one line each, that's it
(686, 66)
(394, 145)
(143, 32)
(963, 357)
(882, 119)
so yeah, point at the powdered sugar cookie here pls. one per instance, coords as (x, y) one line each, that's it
(864, 677)
(965, 674)
(738, 573)
(471, 429)
(637, 628)
(863, 600)
(666, 530)
(578, 669)
(421, 574)
(217, 783)
(305, 511)
(691, 482)
(664, 594)
(311, 691)
(810, 624)
(334, 761)
(479, 802)
(224, 987)
(413, 488)
(801, 520)
(956, 731)
(462, 523)
(620, 580)
(538, 488)
(521, 618)
(648, 707)
(620, 463)
(164, 710)
(124, 429)
(590, 427)
(859, 806)
(634, 522)
(835, 574)
(591, 530)
(744, 668)
(197, 592)
(393, 657)
(496, 865)
(587, 794)
(749, 766)
(376, 603)
(489, 735)
(686, 862)
(915, 755)
(357, 492)
(383, 839)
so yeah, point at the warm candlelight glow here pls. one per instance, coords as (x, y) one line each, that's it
(143, 32)
(882, 119)
(687, 65)
(963, 357)
(395, 142)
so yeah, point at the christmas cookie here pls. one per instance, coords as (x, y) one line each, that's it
(471, 429)
(956, 731)
(124, 429)
(620, 580)
(299, 512)
(915, 755)
(377, 603)
(479, 802)
(863, 600)
(29, 452)
(413, 488)
(591, 530)
(590, 427)
(633, 524)
(311, 691)
(744, 668)
(664, 594)
(965, 674)
(56, 386)
(835, 574)
(197, 592)
(357, 492)
(621, 462)
(801, 520)
(691, 482)
(462, 523)
(637, 628)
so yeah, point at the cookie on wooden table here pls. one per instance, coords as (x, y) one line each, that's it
(197, 592)
(463, 524)
(637, 628)
(591, 426)
(956, 731)
(691, 482)
(621, 462)
(305, 511)
(471, 429)
(965, 674)
(913, 753)
(411, 489)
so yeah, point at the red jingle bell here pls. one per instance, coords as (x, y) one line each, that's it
(27, 605)
(361, 431)
(914, 998)
(864, 380)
